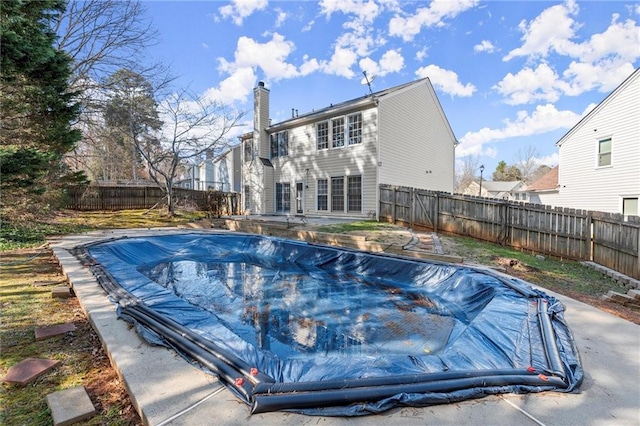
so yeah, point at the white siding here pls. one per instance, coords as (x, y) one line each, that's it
(417, 148)
(583, 185)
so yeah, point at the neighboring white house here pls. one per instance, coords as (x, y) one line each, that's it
(222, 173)
(599, 157)
(227, 169)
(504, 190)
(545, 189)
(331, 161)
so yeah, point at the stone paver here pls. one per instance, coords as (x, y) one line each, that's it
(53, 330)
(61, 292)
(27, 370)
(70, 406)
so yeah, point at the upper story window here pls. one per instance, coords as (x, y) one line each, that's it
(322, 135)
(604, 152)
(248, 150)
(280, 144)
(354, 124)
(337, 132)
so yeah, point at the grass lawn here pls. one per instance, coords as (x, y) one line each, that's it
(24, 259)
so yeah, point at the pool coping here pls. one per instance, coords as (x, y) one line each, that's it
(165, 389)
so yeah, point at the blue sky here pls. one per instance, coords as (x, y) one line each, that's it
(510, 75)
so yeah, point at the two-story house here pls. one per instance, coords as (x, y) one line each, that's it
(599, 158)
(332, 160)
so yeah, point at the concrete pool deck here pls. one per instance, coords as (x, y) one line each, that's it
(167, 390)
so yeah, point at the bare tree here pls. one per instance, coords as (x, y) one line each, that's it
(102, 36)
(527, 162)
(192, 126)
(466, 169)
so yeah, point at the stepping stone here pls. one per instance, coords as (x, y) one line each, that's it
(27, 370)
(70, 406)
(61, 291)
(53, 330)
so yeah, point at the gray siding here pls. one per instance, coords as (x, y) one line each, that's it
(417, 147)
(354, 160)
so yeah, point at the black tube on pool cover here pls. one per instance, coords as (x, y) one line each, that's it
(300, 400)
(225, 371)
(275, 388)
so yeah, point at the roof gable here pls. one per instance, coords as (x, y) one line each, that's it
(628, 81)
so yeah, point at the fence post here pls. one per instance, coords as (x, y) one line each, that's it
(436, 216)
(589, 236)
(413, 208)
(393, 206)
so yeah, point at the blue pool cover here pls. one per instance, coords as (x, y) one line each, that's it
(321, 330)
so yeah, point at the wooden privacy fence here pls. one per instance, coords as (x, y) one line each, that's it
(603, 238)
(146, 197)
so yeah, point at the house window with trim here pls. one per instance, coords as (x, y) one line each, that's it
(354, 193)
(247, 198)
(337, 132)
(323, 194)
(322, 135)
(280, 144)
(354, 124)
(283, 197)
(630, 207)
(604, 152)
(248, 150)
(337, 194)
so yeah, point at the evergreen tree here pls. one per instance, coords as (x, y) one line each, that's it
(37, 108)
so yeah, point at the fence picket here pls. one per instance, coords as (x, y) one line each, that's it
(606, 239)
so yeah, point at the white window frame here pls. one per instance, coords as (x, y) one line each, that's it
(599, 154)
(327, 135)
(354, 136)
(334, 133)
(325, 194)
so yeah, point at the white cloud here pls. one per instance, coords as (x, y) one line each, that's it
(529, 85)
(484, 46)
(341, 62)
(240, 9)
(430, 16)
(553, 30)
(391, 61)
(421, 54)
(365, 11)
(605, 76)
(237, 87)
(600, 62)
(282, 16)
(445, 80)
(270, 57)
(544, 119)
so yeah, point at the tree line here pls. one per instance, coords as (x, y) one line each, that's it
(82, 102)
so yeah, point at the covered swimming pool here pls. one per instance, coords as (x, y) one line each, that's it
(323, 330)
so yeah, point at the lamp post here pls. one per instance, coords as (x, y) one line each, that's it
(481, 170)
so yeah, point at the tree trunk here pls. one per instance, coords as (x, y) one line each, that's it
(171, 208)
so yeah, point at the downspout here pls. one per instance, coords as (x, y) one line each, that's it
(378, 163)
